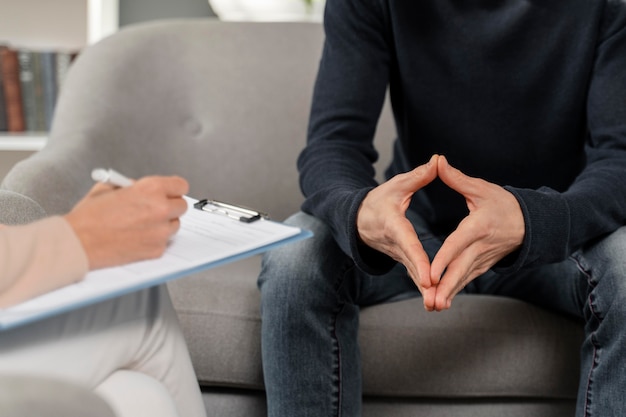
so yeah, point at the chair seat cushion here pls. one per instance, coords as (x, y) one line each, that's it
(483, 346)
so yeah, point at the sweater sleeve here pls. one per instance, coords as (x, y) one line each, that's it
(595, 204)
(38, 258)
(336, 166)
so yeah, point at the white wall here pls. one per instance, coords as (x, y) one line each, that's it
(133, 11)
(41, 24)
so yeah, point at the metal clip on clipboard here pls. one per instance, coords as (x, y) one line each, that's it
(243, 214)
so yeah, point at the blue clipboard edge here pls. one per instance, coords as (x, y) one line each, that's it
(32, 317)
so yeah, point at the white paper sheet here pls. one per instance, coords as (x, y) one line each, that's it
(205, 240)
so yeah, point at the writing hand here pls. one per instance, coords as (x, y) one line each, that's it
(121, 225)
(382, 225)
(493, 229)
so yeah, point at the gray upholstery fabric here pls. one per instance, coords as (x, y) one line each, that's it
(17, 208)
(24, 396)
(158, 101)
(484, 347)
(226, 105)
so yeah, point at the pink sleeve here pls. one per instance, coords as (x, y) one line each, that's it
(38, 258)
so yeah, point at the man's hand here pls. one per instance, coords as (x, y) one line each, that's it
(493, 229)
(121, 225)
(382, 225)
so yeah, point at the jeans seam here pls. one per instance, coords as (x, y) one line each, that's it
(348, 265)
(337, 391)
(592, 336)
(594, 362)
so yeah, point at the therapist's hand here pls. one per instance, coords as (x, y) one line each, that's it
(121, 225)
(493, 229)
(382, 225)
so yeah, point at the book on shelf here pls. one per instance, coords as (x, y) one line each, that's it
(49, 86)
(29, 87)
(62, 65)
(11, 90)
(27, 84)
(3, 113)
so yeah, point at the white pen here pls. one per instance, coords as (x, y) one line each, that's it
(110, 176)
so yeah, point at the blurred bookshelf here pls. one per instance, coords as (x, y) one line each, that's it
(42, 27)
(70, 25)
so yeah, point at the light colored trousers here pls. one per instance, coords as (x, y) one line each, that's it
(129, 350)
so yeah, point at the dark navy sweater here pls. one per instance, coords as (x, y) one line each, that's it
(527, 94)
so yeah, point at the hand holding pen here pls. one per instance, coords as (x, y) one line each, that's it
(131, 222)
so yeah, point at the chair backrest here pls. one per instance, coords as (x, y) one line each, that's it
(222, 104)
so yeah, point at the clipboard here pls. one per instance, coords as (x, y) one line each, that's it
(241, 213)
(207, 238)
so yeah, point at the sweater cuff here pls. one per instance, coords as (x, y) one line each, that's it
(366, 259)
(547, 229)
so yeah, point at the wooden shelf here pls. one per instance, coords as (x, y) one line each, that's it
(27, 141)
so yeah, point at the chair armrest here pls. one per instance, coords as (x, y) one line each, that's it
(51, 180)
(34, 396)
(16, 208)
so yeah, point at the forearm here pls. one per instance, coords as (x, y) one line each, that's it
(557, 223)
(336, 167)
(336, 173)
(38, 258)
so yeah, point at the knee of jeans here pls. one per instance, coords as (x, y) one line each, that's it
(304, 267)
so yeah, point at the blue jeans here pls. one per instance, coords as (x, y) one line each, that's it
(311, 295)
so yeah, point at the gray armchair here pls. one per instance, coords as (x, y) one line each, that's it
(29, 396)
(226, 106)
